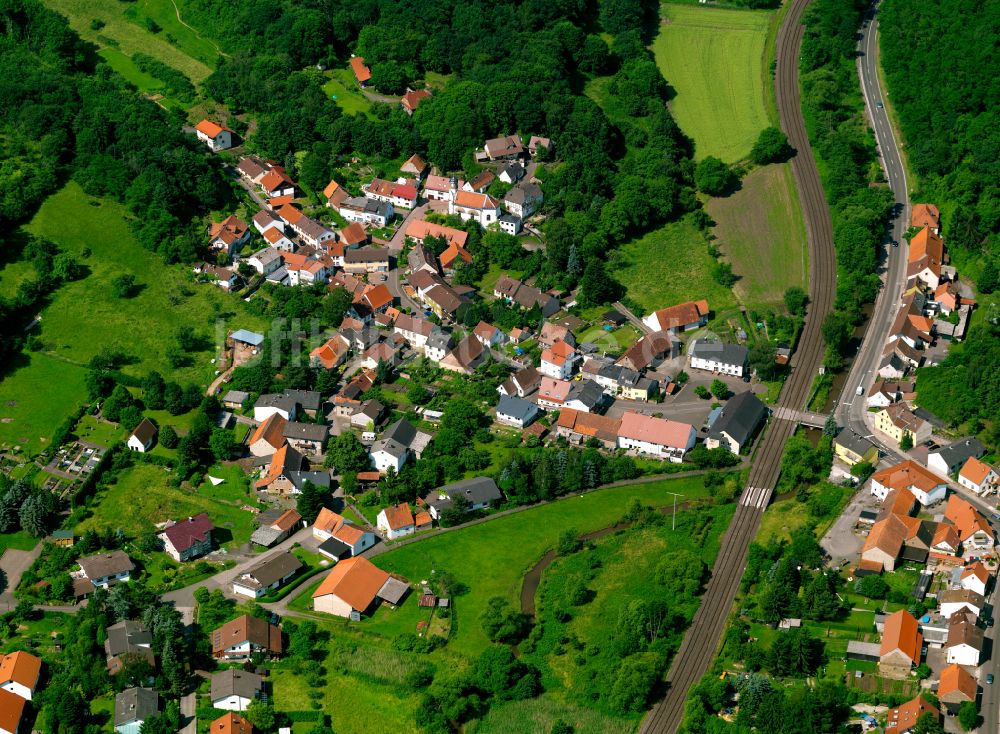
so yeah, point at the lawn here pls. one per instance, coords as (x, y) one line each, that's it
(714, 59)
(129, 37)
(185, 38)
(539, 714)
(36, 398)
(90, 429)
(18, 541)
(84, 317)
(668, 266)
(342, 86)
(761, 232)
(142, 496)
(492, 558)
(145, 83)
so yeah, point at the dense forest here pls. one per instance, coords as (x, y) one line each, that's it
(613, 181)
(953, 141)
(834, 114)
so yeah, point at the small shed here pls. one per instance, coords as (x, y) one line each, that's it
(613, 318)
(247, 338)
(427, 600)
(393, 590)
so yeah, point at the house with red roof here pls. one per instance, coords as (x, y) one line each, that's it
(903, 719)
(398, 520)
(682, 317)
(277, 183)
(335, 194)
(215, 136)
(19, 673)
(558, 361)
(977, 475)
(901, 644)
(400, 195)
(361, 72)
(658, 437)
(228, 234)
(189, 538)
(926, 215)
(412, 99)
(354, 586)
(11, 712)
(348, 539)
(481, 208)
(975, 577)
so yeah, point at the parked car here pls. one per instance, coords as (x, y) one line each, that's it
(879, 105)
(989, 678)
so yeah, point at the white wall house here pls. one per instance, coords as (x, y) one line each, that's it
(714, 356)
(215, 136)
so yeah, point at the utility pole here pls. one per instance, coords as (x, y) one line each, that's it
(673, 521)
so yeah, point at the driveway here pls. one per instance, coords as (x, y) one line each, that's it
(14, 563)
(224, 579)
(840, 541)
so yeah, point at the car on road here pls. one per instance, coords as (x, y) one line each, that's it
(989, 678)
(879, 105)
(895, 243)
(995, 516)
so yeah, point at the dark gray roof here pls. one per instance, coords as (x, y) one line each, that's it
(136, 704)
(439, 340)
(308, 399)
(420, 256)
(516, 408)
(306, 431)
(299, 478)
(587, 392)
(514, 170)
(235, 682)
(273, 400)
(271, 570)
(371, 206)
(334, 548)
(854, 441)
(235, 396)
(477, 490)
(523, 192)
(127, 636)
(958, 453)
(402, 432)
(740, 417)
(735, 354)
(367, 255)
(393, 590)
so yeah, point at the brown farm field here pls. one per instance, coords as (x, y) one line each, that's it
(760, 231)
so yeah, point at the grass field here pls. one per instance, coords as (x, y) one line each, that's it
(84, 317)
(714, 60)
(668, 266)
(539, 714)
(142, 496)
(492, 558)
(186, 38)
(145, 83)
(349, 98)
(131, 38)
(761, 233)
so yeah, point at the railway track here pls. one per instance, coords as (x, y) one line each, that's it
(702, 639)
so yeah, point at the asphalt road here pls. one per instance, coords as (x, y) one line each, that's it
(702, 639)
(851, 410)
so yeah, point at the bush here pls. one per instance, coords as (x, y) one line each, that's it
(713, 177)
(771, 147)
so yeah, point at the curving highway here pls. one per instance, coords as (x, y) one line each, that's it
(700, 643)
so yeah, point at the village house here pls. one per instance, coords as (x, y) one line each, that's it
(414, 329)
(896, 535)
(648, 351)
(521, 383)
(853, 448)
(230, 723)
(579, 427)
(974, 530)
(439, 188)
(366, 211)
(925, 258)
(465, 357)
(901, 645)
(947, 460)
(266, 576)
(395, 447)
(361, 72)
(511, 173)
(240, 638)
(453, 256)
(308, 438)
(657, 437)
(550, 333)
(19, 673)
(398, 521)
(506, 148)
(367, 415)
(142, 438)
(411, 100)
(737, 423)
(682, 317)
(228, 235)
(524, 199)
(898, 358)
(513, 291)
(252, 169)
(558, 361)
(414, 165)
(331, 354)
(418, 230)
(903, 719)
(718, 357)
(265, 220)
(401, 196)
(278, 477)
(956, 685)
(133, 706)
(224, 278)
(884, 393)
(481, 208)
(276, 183)
(12, 712)
(105, 569)
(367, 260)
(977, 476)
(126, 639)
(509, 224)
(514, 411)
(188, 538)
(438, 346)
(234, 689)
(926, 215)
(274, 525)
(421, 258)
(965, 640)
(479, 493)
(269, 436)
(215, 136)
(269, 259)
(480, 183)
(330, 526)
(897, 420)
(539, 146)
(335, 194)
(953, 601)
(925, 486)
(974, 577)
(353, 587)
(270, 404)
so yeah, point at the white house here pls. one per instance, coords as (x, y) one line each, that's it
(105, 569)
(266, 576)
(949, 459)
(514, 411)
(265, 220)
(234, 689)
(558, 361)
(924, 485)
(976, 475)
(398, 521)
(367, 211)
(975, 577)
(481, 208)
(273, 403)
(399, 442)
(215, 136)
(268, 260)
(719, 357)
(188, 538)
(19, 673)
(965, 640)
(141, 439)
(658, 437)
(952, 601)
(523, 200)
(331, 525)
(277, 239)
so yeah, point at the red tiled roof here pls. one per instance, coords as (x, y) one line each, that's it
(661, 431)
(272, 430)
(20, 667)
(185, 533)
(209, 128)
(361, 72)
(901, 632)
(398, 516)
(412, 98)
(355, 580)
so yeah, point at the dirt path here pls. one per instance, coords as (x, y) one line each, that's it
(533, 578)
(218, 381)
(194, 31)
